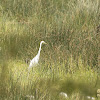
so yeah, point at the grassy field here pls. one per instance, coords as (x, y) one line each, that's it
(69, 63)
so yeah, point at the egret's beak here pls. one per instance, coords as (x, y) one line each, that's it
(45, 43)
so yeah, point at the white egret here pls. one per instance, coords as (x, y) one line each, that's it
(35, 60)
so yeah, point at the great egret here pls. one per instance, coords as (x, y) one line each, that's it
(35, 60)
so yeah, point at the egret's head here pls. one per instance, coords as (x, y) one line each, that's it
(43, 42)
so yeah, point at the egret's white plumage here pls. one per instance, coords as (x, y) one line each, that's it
(35, 60)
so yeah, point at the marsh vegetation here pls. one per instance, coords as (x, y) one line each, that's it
(69, 63)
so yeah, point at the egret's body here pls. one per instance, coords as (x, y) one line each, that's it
(35, 60)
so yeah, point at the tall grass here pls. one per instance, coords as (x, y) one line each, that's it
(46, 81)
(72, 52)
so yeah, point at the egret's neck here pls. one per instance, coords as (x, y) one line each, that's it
(39, 49)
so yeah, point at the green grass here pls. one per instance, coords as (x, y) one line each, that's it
(68, 63)
(47, 81)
